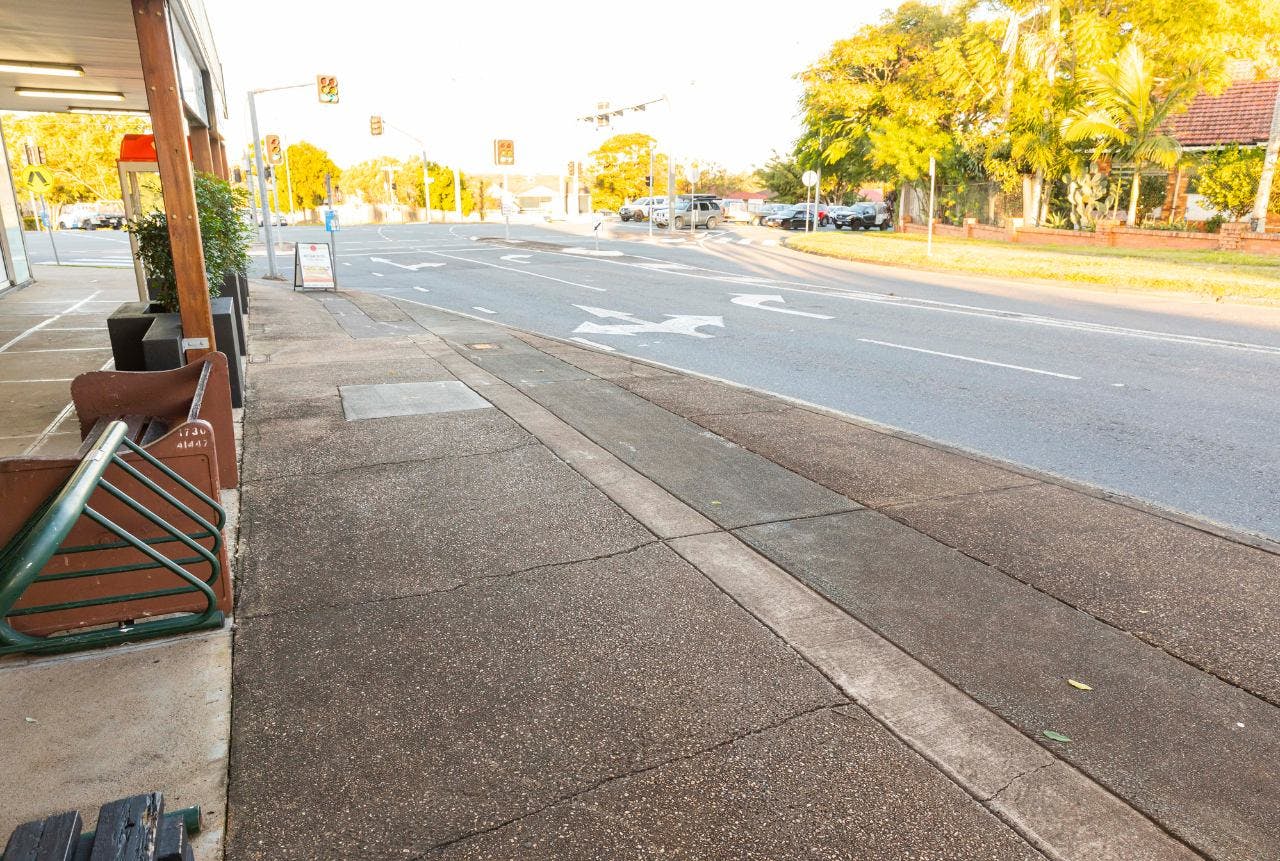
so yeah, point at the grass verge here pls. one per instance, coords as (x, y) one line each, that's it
(1217, 274)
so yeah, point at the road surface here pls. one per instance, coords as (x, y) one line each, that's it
(1166, 399)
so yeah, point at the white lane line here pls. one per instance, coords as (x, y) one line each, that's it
(593, 344)
(345, 263)
(38, 326)
(936, 305)
(482, 310)
(422, 289)
(769, 242)
(376, 274)
(969, 359)
(523, 271)
(744, 241)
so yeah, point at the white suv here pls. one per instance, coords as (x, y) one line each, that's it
(704, 213)
(639, 209)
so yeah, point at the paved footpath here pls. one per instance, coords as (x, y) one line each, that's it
(502, 597)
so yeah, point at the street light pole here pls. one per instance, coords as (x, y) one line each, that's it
(272, 272)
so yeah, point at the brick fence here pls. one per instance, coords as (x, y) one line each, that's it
(1233, 237)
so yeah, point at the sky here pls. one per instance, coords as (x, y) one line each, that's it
(459, 74)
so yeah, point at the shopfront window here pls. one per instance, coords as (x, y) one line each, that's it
(14, 250)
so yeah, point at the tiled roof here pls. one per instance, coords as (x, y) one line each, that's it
(1241, 115)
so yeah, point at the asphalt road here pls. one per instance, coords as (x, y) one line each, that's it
(1165, 399)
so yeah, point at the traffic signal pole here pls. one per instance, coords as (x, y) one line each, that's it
(426, 177)
(272, 270)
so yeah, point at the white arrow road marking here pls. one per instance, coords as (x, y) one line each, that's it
(515, 258)
(412, 268)
(676, 324)
(969, 359)
(593, 344)
(752, 300)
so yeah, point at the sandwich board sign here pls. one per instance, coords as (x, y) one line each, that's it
(313, 266)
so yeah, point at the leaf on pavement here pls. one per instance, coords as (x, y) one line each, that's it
(1056, 736)
(1081, 686)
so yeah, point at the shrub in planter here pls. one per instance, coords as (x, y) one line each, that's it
(224, 236)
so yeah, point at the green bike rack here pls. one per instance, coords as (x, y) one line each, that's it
(41, 538)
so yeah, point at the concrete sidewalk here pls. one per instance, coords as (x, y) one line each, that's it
(537, 601)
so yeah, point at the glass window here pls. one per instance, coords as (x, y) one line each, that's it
(15, 268)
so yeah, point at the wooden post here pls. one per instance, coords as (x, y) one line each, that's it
(220, 158)
(201, 150)
(160, 76)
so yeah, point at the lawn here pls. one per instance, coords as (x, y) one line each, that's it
(1219, 274)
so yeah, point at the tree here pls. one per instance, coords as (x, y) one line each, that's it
(781, 175)
(80, 150)
(619, 170)
(1228, 179)
(308, 165)
(1127, 111)
(368, 179)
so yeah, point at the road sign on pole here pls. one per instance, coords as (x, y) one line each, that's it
(810, 179)
(38, 178)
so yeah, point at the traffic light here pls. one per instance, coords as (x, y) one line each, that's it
(504, 152)
(568, 170)
(375, 125)
(275, 155)
(236, 175)
(327, 89)
(267, 174)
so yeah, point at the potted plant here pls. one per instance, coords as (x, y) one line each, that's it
(137, 342)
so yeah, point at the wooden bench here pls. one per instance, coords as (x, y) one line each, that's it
(155, 403)
(130, 829)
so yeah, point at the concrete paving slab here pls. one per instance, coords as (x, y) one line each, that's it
(1207, 600)
(273, 385)
(323, 441)
(382, 400)
(831, 784)
(343, 349)
(690, 396)
(873, 468)
(358, 324)
(726, 483)
(29, 407)
(58, 339)
(600, 364)
(1166, 732)
(33, 366)
(11, 446)
(970, 743)
(520, 365)
(415, 529)
(411, 723)
(86, 729)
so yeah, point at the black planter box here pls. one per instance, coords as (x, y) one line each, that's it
(126, 327)
(231, 290)
(225, 317)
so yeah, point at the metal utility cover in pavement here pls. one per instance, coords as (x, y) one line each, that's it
(408, 399)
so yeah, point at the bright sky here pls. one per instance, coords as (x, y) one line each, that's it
(459, 74)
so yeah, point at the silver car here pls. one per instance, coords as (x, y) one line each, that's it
(704, 213)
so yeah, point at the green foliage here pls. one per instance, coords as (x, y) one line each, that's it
(620, 167)
(80, 150)
(308, 165)
(1229, 179)
(1008, 89)
(781, 175)
(224, 238)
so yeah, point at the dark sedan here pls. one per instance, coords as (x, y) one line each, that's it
(795, 218)
(864, 216)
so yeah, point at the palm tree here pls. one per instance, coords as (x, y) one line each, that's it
(1127, 110)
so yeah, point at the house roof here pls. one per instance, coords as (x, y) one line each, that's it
(1241, 115)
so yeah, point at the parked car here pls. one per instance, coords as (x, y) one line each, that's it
(822, 216)
(253, 217)
(866, 216)
(798, 217)
(761, 216)
(704, 213)
(774, 217)
(639, 209)
(90, 216)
